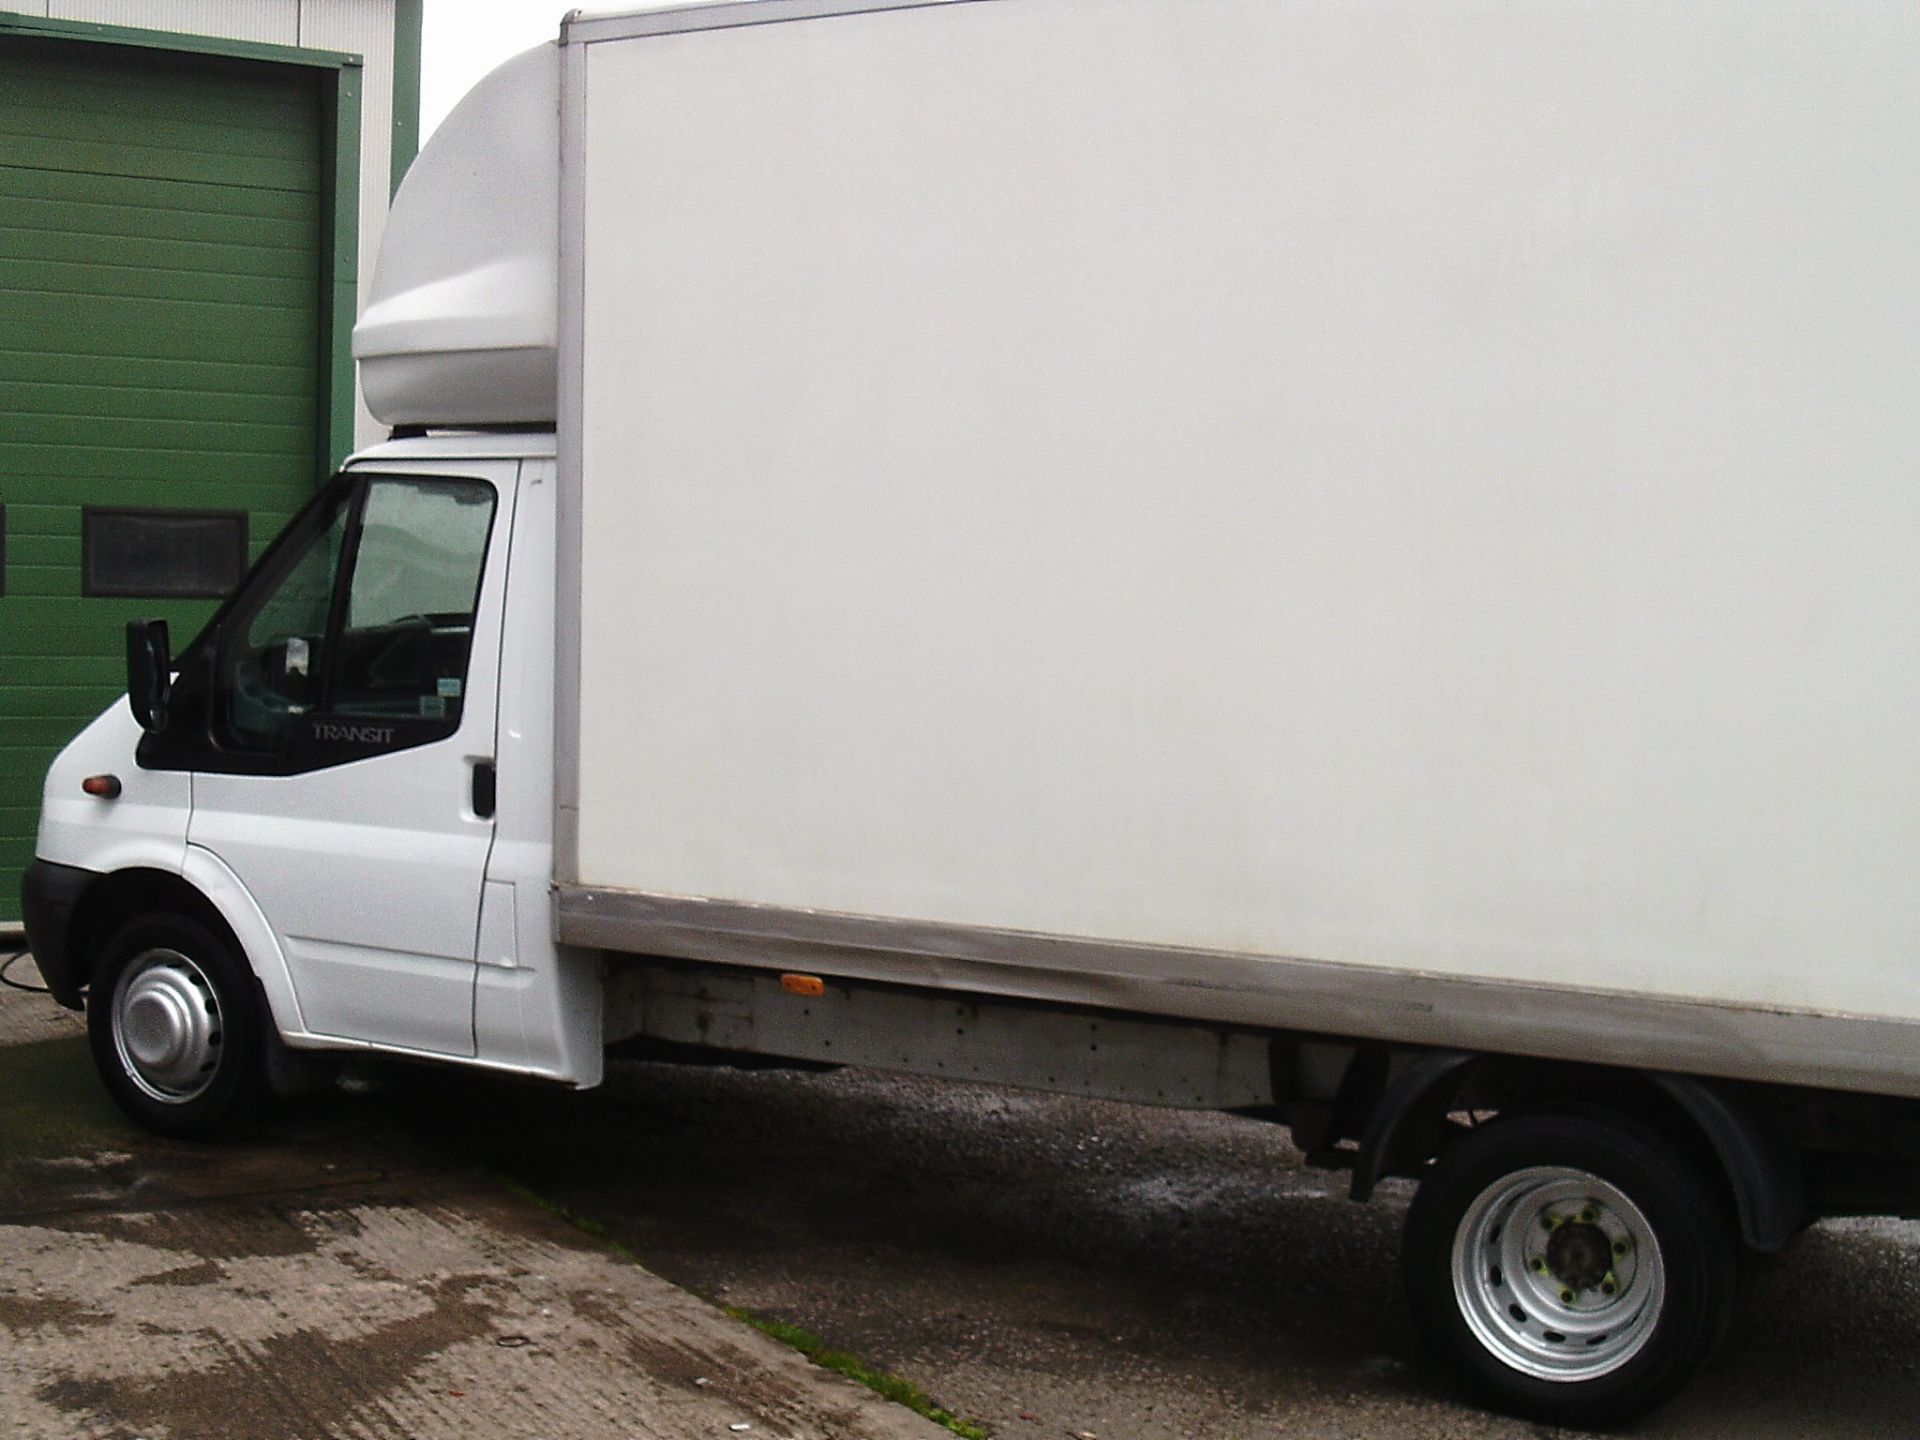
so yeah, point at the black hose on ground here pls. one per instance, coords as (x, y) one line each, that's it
(11, 984)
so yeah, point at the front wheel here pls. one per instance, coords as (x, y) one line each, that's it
(175, 1028)
(1569, 1268)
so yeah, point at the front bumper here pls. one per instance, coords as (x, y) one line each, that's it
(48, 895)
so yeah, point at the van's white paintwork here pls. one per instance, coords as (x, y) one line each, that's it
(462, 321)
(1258, 500)
(377, 908)
(1424, 489)
(143, 828)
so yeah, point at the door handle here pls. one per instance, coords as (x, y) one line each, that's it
(485, 789)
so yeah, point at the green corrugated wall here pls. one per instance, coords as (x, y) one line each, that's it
(161, 234)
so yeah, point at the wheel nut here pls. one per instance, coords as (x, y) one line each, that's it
(1566, 1297)
(1608, 1286)
(1620, 1248)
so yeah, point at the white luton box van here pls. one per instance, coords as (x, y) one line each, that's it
(1352, 562)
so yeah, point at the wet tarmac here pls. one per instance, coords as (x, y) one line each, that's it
(1058, 1267)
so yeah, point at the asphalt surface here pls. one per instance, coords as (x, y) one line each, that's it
(1059, 1267)
(1047, 1266)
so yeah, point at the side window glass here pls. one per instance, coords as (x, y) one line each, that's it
(273, 653)
(408, 621)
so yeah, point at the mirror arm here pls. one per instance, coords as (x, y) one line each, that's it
(149, 673)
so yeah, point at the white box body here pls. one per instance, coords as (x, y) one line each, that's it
(1423, 488)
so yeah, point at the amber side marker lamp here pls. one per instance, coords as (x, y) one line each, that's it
(803, 985)
(103, 787)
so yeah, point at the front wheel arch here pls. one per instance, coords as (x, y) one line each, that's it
(177, 1026)
(121, 896)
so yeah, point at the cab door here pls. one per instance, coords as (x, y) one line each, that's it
(348, 780)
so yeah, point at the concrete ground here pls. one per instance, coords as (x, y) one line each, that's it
(330, 1279)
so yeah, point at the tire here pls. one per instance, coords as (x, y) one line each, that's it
(174, 1021)
(1569, 1268)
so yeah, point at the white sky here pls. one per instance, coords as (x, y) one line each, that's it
(461, 40)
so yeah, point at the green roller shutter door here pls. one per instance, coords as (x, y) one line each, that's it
(160, 350)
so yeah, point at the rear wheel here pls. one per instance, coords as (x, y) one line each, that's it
(175, 1027)
(1569, 1268)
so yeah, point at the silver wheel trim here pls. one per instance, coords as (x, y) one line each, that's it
(167, 1026)
(1549, 1325)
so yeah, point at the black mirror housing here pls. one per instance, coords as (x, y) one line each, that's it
(149, 673)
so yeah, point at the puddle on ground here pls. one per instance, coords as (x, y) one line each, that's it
(65, 1146)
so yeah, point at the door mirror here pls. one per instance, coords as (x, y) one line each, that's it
(149, 673)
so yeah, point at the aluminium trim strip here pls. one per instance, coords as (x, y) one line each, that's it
(1827, 1051)
(734, 15)
(569, 433)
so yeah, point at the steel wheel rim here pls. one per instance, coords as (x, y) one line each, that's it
(1558, 1274)
(167, 1028)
